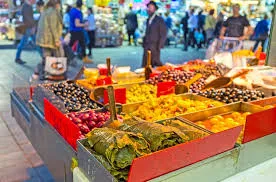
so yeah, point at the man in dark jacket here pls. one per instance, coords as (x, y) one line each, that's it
(131, 25)
(184, 23)
(155, 37)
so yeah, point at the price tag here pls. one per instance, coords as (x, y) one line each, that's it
(178, 68)
(165, 88)
(104, 81)
(120, 96)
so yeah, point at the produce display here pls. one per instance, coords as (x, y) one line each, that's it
(208, 70)
(119, 148)
(158, 136)
(170, 106)
(140, 93)
(220, 123)
(230, 95)
(180, 77)
(86, 121)
(243, 52)
(87, 83)
(75, 98)
(188, 130)
(116, 148)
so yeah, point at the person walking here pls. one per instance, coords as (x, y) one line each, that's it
(261, 32)
(77, 29)
(49, 32)
(184, 23)
(192, 25)
(219, 23)
(29, 26)
(209, 26)
(236, 25)
(131, 25)
(66, 19)
(155, 37)
(91, 30)
(169, 23)
(201, 22)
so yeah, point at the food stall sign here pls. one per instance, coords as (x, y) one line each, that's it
(165, 88)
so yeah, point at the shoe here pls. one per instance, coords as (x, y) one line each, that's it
(86, 60)
(19, 61)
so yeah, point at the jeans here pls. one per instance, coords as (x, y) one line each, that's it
(91, 44)
(24, 41)
(79, 36)
(131, 33)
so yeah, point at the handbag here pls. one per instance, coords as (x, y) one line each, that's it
(56, 65)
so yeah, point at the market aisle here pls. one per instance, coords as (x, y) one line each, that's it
(18, 159)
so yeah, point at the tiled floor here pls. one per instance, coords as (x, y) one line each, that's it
(18, 159)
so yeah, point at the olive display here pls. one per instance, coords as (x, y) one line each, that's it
(209, 70)
(180, 77)
(75, 98)
(230, 95)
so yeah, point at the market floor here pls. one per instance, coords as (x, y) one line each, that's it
(18, 159)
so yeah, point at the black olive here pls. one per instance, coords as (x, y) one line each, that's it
(245, 99)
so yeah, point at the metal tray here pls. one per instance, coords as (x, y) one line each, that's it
(93, 169)
(41, 93)
(265, 102)
(239, 107)
(129, 108)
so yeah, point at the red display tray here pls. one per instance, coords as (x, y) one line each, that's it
(66, 128)
(173, 158)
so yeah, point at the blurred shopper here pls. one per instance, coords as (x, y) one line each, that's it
(40, 6)
(29, 29)
(91, 30)
(184, 23)
(192, 25)
(261, 32)
(236, 25)
(219, 23)
(201, 22)
(131, 25)
(169, 23)
(209, 26)
(66, 19)
(77, 29)
(49, 32)
(155, 37)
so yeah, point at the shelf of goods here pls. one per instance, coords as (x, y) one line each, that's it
(196, 134)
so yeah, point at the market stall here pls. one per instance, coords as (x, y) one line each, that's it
(113, 125)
